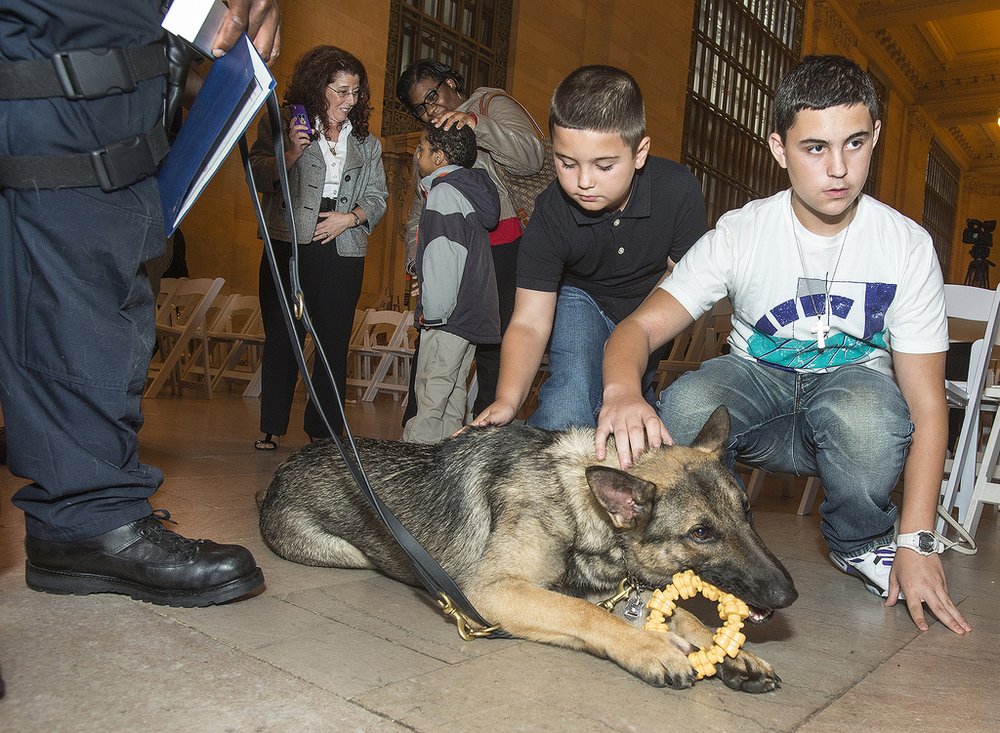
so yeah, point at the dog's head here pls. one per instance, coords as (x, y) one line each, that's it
(681, 508)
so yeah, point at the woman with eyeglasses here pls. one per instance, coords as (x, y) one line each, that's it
(338, 195)
(506, 136)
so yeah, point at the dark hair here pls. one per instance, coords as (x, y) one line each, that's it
(602, 99)
(457, 143)
(425, 69)
(819, 82)
(314, 70)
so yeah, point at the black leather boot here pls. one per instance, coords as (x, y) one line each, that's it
(146, 561)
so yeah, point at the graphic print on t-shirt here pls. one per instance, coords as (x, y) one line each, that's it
(786, 335)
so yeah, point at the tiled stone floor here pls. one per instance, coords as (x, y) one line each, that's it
(332, 650)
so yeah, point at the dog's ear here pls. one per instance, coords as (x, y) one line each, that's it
(714, 433)
(627, 499)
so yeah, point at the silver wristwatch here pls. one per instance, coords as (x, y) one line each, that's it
(923, 542)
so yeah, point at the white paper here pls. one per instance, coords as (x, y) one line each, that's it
(196, 21)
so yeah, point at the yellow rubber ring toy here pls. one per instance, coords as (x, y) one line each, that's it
(727, 639)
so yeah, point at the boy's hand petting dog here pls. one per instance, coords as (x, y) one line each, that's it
(496, 413)
(633, 424)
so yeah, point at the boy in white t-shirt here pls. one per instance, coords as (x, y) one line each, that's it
(838, 343)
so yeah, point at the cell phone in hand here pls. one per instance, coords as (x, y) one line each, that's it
(299, 115)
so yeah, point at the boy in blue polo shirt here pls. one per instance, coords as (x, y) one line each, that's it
(600, 238)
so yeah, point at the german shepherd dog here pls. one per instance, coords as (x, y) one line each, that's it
(532, 529)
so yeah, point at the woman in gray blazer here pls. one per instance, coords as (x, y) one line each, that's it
(338, 194)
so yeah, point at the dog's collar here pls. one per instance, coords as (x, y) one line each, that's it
(630, 577)
(630, 587)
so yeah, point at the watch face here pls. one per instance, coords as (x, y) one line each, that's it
(926, 542)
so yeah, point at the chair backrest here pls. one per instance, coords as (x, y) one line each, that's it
(378, 328)
(192, 298)
(359, 321)
(167, 287)
(406, 334)
(702, 340)
(972, 315)
(239, 315)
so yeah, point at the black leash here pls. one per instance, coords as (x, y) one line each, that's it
(432, 576)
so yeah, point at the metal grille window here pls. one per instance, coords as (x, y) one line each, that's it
(740, 49)
(471, 36)
(940, 195)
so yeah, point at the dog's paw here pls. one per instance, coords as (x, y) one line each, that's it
(749, 673)
(661, 660)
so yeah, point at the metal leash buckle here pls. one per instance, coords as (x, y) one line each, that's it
(299, 306)
(624, 589)
(466, 629)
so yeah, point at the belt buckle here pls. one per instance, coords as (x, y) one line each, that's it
(122, 163)
(93, 73)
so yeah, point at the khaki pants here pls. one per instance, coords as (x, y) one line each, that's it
(443, 365)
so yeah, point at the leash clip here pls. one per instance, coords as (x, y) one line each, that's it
(299, 306)
(466, 629)
(625, 588)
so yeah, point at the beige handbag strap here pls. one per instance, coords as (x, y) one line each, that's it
(484, 106)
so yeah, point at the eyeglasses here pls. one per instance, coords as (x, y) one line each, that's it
(344, 92)
(430, 98)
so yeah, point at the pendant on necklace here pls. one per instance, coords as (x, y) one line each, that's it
(820, 330)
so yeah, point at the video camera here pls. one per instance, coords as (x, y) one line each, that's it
(979, 232)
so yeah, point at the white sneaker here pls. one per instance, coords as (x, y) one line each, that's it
(871, 567)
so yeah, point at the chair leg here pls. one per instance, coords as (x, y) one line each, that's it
(986, 489)
(809, 496)
(753, 485)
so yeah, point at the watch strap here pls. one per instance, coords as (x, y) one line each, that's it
(912, 541)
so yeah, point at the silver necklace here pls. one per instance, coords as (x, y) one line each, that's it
(330, 144)
(821, 329)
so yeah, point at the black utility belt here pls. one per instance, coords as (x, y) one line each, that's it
(116, 165)
(90, 73)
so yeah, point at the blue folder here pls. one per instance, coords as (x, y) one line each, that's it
(234, 90)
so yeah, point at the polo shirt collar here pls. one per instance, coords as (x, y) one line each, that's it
(638, 205)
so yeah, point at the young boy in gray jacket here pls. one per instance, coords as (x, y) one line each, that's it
(458, 306)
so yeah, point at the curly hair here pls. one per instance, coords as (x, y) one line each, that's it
(314, 70)
(457, 143)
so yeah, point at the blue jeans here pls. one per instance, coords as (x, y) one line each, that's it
(851, 427)
(571, 396)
